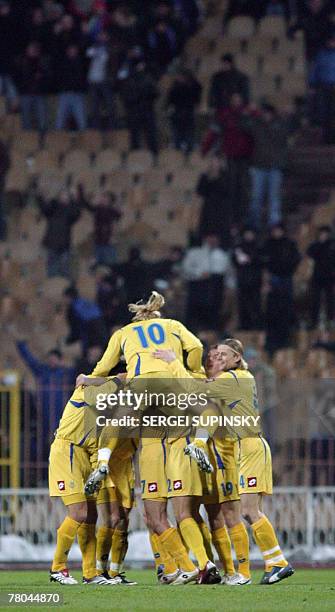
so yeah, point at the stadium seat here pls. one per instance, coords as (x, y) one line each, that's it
(54, 287)
(241, 27)
(247, 63)
(17, 179)
(59, 141)
(139, 161)
(77, 160)
(117, 139)
(106, 161)
(170, 159)
(51, 182)
(89, 140)
(44, 160)
(26, 142)
(82, 229)
(273, 26)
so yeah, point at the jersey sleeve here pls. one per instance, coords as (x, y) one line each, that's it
(111, 356)
(192, 345)
(218, 389)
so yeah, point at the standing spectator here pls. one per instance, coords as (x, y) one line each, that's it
(32, 79)
(134, 274)
(227, 136)
(85, 320)
(226, 82)
(183, 97)
(270, 133)
(4, 167)
(322, 252)
(7, 52)
(216, 213)
(314, 22)
(38, 30)
(100, 82)
(105, 214)
(61, 214)
(139, 92)
(281, 258)
(189, 13)
(322, 79)
(111, 299)
(204, 268)
(248, 263)
(72, 85)
(162, 45)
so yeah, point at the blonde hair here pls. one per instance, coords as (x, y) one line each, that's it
(150, 309)
(237, 347)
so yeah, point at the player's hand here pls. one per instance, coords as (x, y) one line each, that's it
(81, 380)
(121, 376)
(165, 354)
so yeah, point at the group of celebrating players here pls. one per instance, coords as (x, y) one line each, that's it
(225, 470)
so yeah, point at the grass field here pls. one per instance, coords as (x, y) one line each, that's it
(307, 590)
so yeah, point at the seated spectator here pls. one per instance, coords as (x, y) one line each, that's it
(72, 85)
(32, 80)
(216, 214)
(270, 132)
(322, 79)
(105, 214)
(139, 92)
(61, 213)
(183, 98)
(227, 136)
(100, 83)
(322, 252)
(227, 82)
(204, 268)
(248, 263)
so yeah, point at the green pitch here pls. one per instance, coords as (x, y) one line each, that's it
(307, 590)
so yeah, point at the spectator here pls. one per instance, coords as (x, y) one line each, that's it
(227, 136)
(86, 364)
(165, 269)
(100, 83)
(270, 133)
(189, 13)
(183, 97)
(216, 213)
(72, 85)
(247, 260)
(248, 8)
(281, 258)
(105, 214)
(4, 167)
(100, 20)
(38, 30)
(54, 382)
(61, 214)
(227, 82)
(66, 33)
(138, 91)
(322, 78)
(322, 252)
(314, 22)
(7, 53)
(32, 79)
(111, 299)
(134, 274)
(162, 45)
(85, 320)
(204, 268)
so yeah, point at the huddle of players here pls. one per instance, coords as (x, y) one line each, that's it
(237, 466)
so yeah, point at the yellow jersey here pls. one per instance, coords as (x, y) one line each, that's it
(234, 391)
(138, 340)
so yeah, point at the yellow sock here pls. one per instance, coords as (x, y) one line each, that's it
(156, 549)
(66, 534)
(104, 545)
(193, 538)
(119, 549)
(172, 544)
(87, 543)
(266, 540)
(222, 543)
(240, 540)
(207, 539)
(182, 539)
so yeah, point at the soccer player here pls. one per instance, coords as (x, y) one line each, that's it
(235, 389)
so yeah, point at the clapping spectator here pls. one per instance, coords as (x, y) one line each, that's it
(105, 214)
(100, 82)
(204, 268)
(61, 213)
(72, 85)
(32, 80)
(322, 253)
(227, 82)
(270, 132)
(247, 260)
(183, 98)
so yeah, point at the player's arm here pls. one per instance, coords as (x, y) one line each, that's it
(193, 347)
(111, 356)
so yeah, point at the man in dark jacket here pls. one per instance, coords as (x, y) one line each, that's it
(280, 258)
(248, 264)
(138, 92)
(32, 83)
(226, 82)
(8, 49)
(216, 213)
(72, 85)
(105, 214)
(61, 214)
(270, 133)
(322, 252)
(183, 97)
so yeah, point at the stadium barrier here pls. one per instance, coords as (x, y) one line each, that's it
(303, 517)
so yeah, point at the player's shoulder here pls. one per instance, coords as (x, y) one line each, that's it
(236, 374)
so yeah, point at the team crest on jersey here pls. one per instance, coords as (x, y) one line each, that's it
(177, 485)
(152, 487)
(252, 481)
(61, 485)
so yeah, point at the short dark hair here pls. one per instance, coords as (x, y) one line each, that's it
(227, 57)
